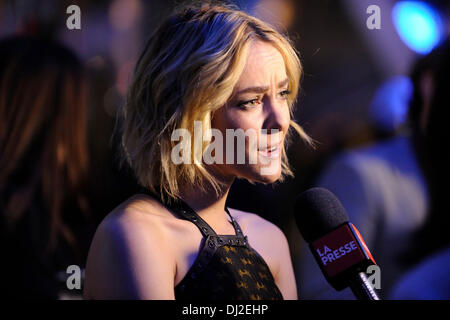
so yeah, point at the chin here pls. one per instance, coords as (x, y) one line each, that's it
(270, 178)
(255, 175)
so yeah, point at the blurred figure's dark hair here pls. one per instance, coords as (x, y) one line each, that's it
(430, 121)
(43, 143)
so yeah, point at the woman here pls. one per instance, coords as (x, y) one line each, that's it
(206, 71)
(44, 166)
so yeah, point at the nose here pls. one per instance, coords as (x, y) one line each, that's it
(277, 115)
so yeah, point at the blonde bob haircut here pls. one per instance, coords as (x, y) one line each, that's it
(188, 70)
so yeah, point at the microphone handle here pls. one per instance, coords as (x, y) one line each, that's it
(361, 287)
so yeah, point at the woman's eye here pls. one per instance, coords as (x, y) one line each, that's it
(285, 93)
(249, 103)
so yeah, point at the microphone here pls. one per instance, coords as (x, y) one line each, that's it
(335, 243)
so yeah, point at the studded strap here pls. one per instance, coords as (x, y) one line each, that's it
(236, 226)
(186, 212)
(212, 240)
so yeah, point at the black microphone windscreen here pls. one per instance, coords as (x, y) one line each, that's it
(317, 212)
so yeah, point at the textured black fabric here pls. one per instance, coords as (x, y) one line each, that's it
(233, 273)
(226, 268)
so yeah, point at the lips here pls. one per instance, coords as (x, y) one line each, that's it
(271, 151)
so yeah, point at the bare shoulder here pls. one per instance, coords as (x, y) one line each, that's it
(138, 217)
(255, 224)
(130, 243)
(264, 236)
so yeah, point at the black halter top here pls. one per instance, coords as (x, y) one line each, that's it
(226, 268)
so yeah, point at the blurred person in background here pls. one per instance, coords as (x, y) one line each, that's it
(382, 187)
(44, 165)
(429, 253)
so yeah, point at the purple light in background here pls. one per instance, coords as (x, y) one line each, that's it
(389, 107)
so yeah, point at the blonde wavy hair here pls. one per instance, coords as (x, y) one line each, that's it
(187, 71)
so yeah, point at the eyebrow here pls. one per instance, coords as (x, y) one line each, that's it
(262, 89)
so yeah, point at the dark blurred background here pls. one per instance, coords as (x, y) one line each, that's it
(344, 64)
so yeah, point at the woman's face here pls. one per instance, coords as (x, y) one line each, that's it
(259, 107)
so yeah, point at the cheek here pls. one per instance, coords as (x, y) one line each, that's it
(287, 118)
(251, 127)
(234, 119)
(222, 120)
(284, 117)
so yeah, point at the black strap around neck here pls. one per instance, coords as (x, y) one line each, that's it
(183, 210)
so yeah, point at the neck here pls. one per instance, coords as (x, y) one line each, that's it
(209, 204)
